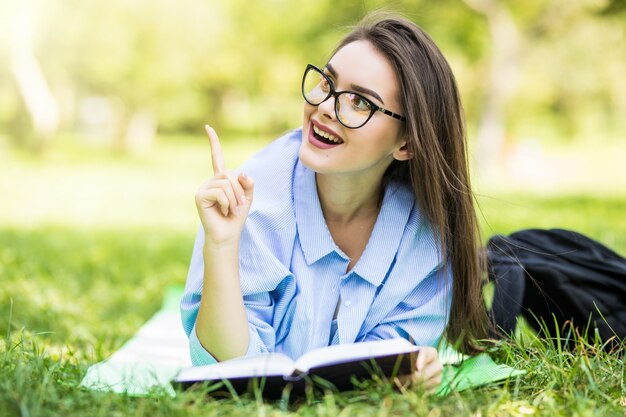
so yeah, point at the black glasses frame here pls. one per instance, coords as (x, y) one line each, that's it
(334, 93)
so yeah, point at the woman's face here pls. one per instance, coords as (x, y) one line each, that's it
(370, 149)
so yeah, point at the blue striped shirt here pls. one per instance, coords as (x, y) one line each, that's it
(293, 274)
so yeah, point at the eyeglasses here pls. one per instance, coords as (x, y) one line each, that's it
(352, 109)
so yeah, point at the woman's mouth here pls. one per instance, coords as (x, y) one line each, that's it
(322, 139)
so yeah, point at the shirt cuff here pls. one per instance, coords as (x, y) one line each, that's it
(199, 355)
(256, 345)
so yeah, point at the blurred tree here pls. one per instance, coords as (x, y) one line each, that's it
(574, 64)
(29, 76)
(121, 69)
(545, 46)
(613, 7)
(502, 78)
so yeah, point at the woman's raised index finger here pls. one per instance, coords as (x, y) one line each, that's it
(216, 150)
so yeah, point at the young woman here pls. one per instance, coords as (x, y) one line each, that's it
(358, 226)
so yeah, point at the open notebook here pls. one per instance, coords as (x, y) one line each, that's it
(154, 356)
(332, 367)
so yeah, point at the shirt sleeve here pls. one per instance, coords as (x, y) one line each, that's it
(423, 315)
(261, 274)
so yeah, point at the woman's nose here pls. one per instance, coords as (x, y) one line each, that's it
(327, 108)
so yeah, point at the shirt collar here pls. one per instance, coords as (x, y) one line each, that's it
(313, 233)
(382, 247)
(384, 242)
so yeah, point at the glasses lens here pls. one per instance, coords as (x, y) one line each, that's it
(352, 109)
(315, 86)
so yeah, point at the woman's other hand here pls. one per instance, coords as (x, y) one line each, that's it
(428, 373)
(429, 368)
(223, 202)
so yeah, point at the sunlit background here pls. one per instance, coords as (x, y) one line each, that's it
(102, 108)
(102, 103)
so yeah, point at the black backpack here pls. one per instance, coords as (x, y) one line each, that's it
(541, 273)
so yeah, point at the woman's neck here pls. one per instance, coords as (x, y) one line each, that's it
(346, 198)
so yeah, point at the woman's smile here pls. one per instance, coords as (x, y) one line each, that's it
(322, 136)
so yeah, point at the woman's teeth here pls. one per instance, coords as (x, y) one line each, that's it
(326, 135)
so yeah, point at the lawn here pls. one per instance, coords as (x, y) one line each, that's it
(90, 240)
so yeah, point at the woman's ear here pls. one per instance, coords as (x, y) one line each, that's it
(403, 153)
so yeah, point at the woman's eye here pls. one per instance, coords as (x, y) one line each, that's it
(324, 85)
(359, 104)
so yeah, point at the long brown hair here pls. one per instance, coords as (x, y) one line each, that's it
(438, 171)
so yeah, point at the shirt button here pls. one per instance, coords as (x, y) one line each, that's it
(347, 303)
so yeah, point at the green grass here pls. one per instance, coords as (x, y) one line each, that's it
(79, 277)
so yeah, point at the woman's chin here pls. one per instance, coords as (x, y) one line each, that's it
(307, 157)
(313, 160)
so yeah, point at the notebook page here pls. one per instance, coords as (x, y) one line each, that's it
(353, 352)
(269, 364)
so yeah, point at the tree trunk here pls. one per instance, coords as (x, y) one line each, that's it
(31, 83)
(502, 81)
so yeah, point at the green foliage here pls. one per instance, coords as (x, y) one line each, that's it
(64, 283)
(238, 64)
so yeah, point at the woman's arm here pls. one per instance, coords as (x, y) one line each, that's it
(222, 324)
(261, 273)
(223, 204)
(264, 253)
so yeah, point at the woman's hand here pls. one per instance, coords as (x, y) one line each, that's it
(223, 202)
(429, 370)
